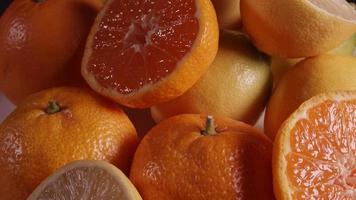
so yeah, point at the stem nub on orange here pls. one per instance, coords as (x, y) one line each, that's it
(195, 157)
(57, 126)
(141, 53)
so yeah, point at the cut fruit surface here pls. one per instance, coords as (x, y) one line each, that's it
(141, 53)
(315, 151)
(298, 28)
(86, 180)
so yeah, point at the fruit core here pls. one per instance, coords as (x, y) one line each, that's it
(138, 43)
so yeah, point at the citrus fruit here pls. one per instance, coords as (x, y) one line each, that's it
(42, 42)
(228, 13)
(298, 28)
(348, 47)
(86, 179)
(306, 79)
(54, 127)
(236, 85)
(280, 66)
(140, 53)
(185, 157)
(314, 155)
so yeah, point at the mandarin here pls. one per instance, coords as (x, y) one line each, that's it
(188, 157)
(57, 126)
(42, 43)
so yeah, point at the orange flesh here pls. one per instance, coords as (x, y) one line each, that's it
(322, 162)
(141, 42)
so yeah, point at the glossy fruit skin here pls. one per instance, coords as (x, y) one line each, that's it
(312, 76)
(175, 161)
(237, 84)
(294, 28)
(42, 44)
(34, 144)
(280, 66)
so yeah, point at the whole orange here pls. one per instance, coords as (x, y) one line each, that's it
(42, 42)
(185, 157)
(54, 127)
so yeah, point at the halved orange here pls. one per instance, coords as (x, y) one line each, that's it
(298, 28)
(315, 151)
(144, 52)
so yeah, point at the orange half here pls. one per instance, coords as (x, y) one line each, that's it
(141, 53)
(315, 151)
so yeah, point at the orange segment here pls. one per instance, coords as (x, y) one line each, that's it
(135, 46)
(315, 151)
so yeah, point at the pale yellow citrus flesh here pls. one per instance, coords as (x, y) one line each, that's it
(86, 180)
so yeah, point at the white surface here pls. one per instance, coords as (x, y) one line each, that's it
(5, 107)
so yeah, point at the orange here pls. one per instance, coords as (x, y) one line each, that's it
(140, 53)
(185, 157)
(310, 77)
(280, 66)
(315, 154)
(57, 126)
(42, 43)
(298, 28)
(236, 85)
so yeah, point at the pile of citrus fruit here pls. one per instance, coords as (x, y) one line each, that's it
(156, 100)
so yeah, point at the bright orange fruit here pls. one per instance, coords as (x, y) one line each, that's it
(42, 44)
(140, 53)
(315, 151)
(185, 157)
(57, 126)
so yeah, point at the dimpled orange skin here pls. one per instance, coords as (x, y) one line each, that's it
(42, 43)
(175, 161)
(33, 144)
